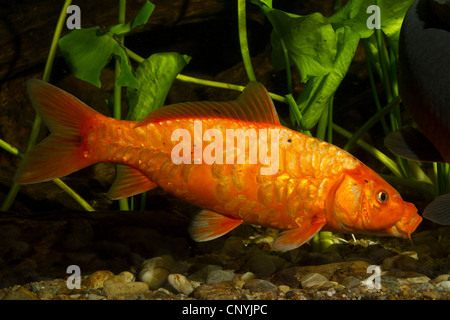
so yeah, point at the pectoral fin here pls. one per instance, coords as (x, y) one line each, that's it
(209, 225)
(294, 238)
(438, 210)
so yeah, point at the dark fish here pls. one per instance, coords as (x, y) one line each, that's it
(424, 85)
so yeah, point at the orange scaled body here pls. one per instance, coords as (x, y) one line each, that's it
(314, 185)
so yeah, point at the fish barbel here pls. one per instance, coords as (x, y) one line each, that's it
(314, 185)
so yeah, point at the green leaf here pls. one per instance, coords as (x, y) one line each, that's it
(262, 3)
(371, 49)
(354, 15)
(309, 40)
(143, 15)
(154, 75)
(140, 19)
(87, 51)
(318, 92)
(392, 15)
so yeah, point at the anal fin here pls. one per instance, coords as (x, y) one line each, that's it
(291, 239)
(209, 225)
(129, 181)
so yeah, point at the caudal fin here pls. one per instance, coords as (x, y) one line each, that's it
(64, 150)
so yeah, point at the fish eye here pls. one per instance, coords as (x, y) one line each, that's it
(382, 197)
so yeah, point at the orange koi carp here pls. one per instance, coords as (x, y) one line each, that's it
(279, 178)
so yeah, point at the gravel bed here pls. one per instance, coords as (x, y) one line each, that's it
(246, 268)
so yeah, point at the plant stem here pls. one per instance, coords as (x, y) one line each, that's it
(384, 61)
(373, 120)
(322, 125)
(9, 199)
(330, 122)
(388, 162)
(123, 203)
(294, 113)
(369, 61)
(204, 82)
(83, 203)
(11, 149)
(243, 41)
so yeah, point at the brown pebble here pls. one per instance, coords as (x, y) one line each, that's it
(431, 294)
(124, 276)
(258, 285)
(20, 294)
(117, 290)
(336, 271)
(216, 291)
(97, 279)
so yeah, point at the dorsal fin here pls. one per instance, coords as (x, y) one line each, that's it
(253, 105)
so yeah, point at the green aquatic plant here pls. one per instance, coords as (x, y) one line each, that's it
(321, 50)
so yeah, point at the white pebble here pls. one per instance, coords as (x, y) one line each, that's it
(154, 271)
(444, 285)
(248, 276)
(180, 283)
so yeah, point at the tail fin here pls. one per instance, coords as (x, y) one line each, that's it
(64, 150)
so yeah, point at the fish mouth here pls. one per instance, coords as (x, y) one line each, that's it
(404, 228)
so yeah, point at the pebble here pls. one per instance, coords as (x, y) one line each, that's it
(219, 276)
(233, 246)
(20, 294)
(422, 279)
(203, 273)
(389, 282)
(248, 276)
(216, 291)
(440, 278)
(45, 294)
(154, 271)
(124, 276)
(93, 296)
(445, 285)
(180, 283)
(351, 282)
(313, 280)
(402, 262)
(426, 286)
(336, 271)
(123, 289)
(284, 288)
(259, 285)
(431, 294)
(97, 279)
(264, 265)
